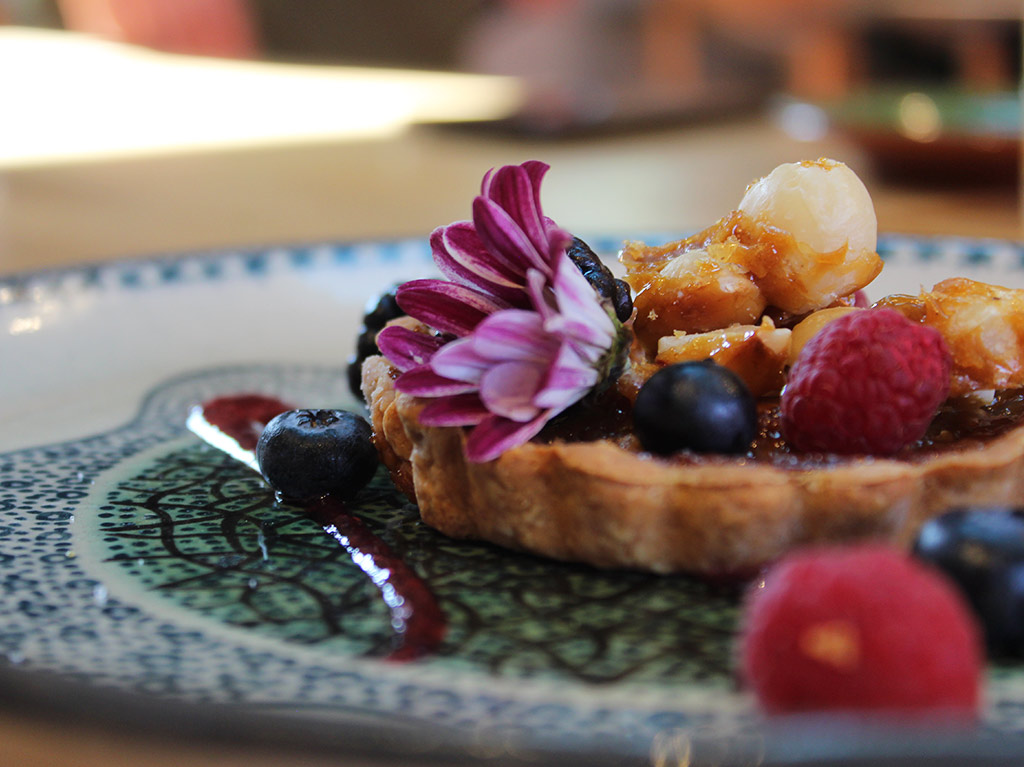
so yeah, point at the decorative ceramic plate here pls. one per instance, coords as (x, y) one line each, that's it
(135, 557)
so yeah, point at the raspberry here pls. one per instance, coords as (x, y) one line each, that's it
(860, 628)
(868, 382)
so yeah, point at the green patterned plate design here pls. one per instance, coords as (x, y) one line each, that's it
(202, 532)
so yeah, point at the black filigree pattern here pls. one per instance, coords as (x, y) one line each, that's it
(203, 531)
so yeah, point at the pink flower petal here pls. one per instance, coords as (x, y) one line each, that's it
(405, 348)
(529, 328)
(457, 410)
(568, 380)
(459, 361)
(589, 341)
(424, 382)
(446, 306)
(541, 297)
(516, 189)
(580, 318)
(577, 299)
(494, 435)
(463, 243)
(535, 170)
(504, 238)
(557, 400)
(508, 389)
(514, 335)
(461, 257)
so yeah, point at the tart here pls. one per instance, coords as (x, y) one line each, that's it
(612, 505)
(583, 489)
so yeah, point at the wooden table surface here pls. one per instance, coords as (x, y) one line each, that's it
(679, 179)
(54, 214)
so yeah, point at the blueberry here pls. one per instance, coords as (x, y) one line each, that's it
(699, 406)
(306, 454)
(982, 552)
(377, 314)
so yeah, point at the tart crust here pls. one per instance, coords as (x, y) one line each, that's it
(601, 504)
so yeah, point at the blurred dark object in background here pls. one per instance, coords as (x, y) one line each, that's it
(808, 48)
(222, 28)
(586, 63)
(395, 33)
(938, 136)
(978, 52)
(937, 99)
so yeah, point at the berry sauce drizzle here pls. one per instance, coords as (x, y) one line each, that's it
(233, 424)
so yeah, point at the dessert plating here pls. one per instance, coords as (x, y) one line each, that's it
(748, 292)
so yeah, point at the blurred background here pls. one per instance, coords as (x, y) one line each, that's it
(138, 127)
(654, 113)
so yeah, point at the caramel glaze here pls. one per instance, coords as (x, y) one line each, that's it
(760, 252)
(961, 423)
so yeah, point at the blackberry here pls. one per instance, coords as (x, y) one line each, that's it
(378, 313)
(601, 279)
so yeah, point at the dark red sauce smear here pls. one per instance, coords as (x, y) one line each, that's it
(243, 417)
(416, 618)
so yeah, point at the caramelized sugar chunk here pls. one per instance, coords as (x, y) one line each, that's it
(803, 238)
(984, 328)
(758, 354)
(687, 288)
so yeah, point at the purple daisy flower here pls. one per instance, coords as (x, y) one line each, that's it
(520, 335)
(508, 236)
(485, 262)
